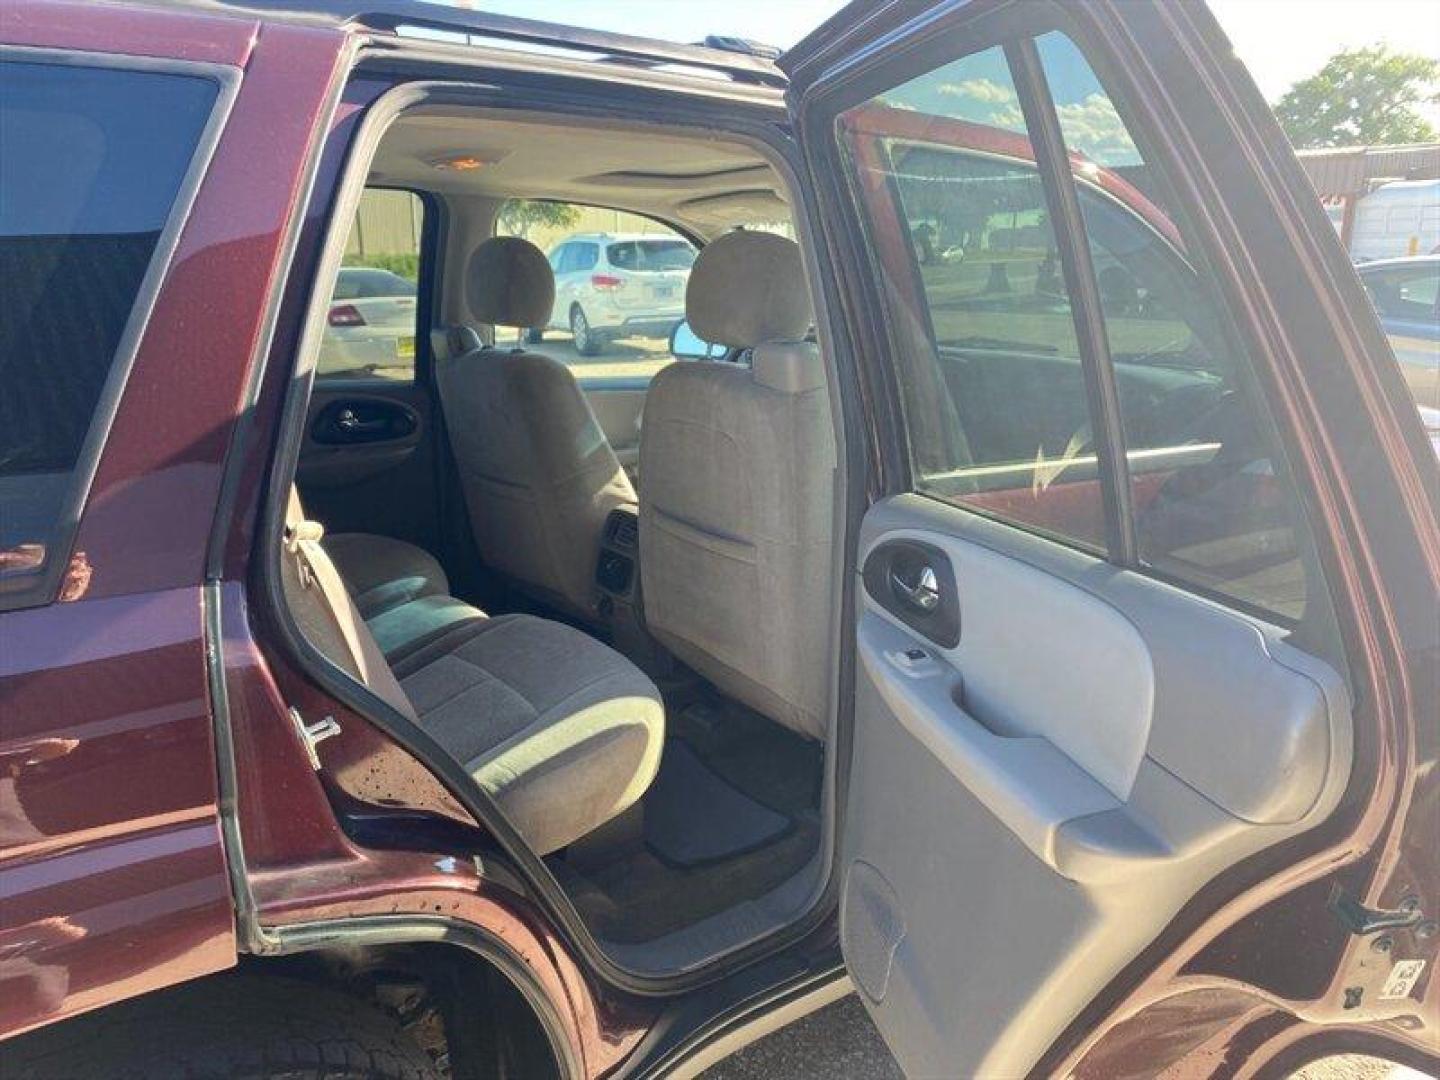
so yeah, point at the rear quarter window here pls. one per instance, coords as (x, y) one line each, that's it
(92, 162)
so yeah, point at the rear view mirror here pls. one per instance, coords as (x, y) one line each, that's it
(686, 345)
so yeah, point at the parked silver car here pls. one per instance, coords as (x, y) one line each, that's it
(612, 285)
(370, 328)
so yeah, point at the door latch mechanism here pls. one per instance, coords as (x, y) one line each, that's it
(312, 735)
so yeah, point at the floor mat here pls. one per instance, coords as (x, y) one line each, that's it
(693, 817)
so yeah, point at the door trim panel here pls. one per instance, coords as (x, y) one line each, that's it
(1008, 851)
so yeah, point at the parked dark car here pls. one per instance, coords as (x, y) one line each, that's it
(1030, 627)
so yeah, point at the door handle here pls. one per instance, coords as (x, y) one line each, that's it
(922, 594)
(351, 424)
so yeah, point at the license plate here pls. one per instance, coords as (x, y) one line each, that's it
(664, 292)
(405, 348)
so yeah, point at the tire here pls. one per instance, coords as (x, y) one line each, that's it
(587, 341)
(535, 335)
(232, 1028)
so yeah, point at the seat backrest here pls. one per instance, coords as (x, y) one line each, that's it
(736, 514)
(538, 474)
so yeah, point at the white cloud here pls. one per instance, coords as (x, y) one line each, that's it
(1094, 128)
(979, 90)
(1009, 117)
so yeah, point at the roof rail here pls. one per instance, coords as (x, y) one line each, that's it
(390, 15)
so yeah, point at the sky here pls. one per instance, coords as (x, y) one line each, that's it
(1280, 41)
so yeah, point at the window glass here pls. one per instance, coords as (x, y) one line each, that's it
(88, 176)
(651, 256)
(995, 397)
(1404, 293)
(619, 289)
(373, 319)
(995, 394)
(1212, 505)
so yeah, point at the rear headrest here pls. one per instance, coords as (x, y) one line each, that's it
(508, 282)
(747, 288)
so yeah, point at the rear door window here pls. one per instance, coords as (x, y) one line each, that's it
(1001, 403)
(374, 320)
(93, 161)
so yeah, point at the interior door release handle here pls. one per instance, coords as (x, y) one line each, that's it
(923, 594)
(348, 421)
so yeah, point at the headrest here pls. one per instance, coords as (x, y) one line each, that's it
(747, 288)
(508, 282)
(789, 366)
(449, 342)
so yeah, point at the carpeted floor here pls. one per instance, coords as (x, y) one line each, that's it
(734, 813)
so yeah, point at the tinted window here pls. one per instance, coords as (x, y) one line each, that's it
(1404, 292)
(1212, 505)
(373, 321)
(358, 283)
(995, 392)
(586, 256)
(647, 255)
(997, 403)
(91, 162)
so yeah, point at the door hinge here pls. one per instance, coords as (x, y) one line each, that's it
(312, 735)
(1360, 920)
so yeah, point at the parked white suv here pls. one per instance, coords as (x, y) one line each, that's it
(612, 285)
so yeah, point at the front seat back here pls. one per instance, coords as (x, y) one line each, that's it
(736, 515)
(538, 474)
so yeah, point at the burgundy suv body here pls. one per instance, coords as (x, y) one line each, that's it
(160, 821)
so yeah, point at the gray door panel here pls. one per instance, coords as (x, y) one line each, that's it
(1030, 806)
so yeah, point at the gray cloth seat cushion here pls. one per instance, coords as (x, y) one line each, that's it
(561, 730)
(400, 590)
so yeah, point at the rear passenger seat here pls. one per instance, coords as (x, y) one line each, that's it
(399, 589)
(562, 731)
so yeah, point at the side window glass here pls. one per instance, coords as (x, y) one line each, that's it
(994, 391)
(373, 320)
(1212, 505)
(619, 293)
(88, 182)
(996, 401)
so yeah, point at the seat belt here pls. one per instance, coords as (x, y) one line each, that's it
(318, 575)
(321, 605)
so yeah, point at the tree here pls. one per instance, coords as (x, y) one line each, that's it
(1362, 97)
(519, 216)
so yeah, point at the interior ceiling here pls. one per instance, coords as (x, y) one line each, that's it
(704, 183)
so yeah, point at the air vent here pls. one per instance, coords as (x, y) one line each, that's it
(623, 530)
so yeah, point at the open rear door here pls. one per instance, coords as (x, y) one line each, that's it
(1121, 383)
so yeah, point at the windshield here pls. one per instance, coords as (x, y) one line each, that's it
(646, 255)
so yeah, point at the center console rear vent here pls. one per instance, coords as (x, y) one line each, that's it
(623, 530)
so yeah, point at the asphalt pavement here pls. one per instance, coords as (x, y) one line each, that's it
(837, 1042)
